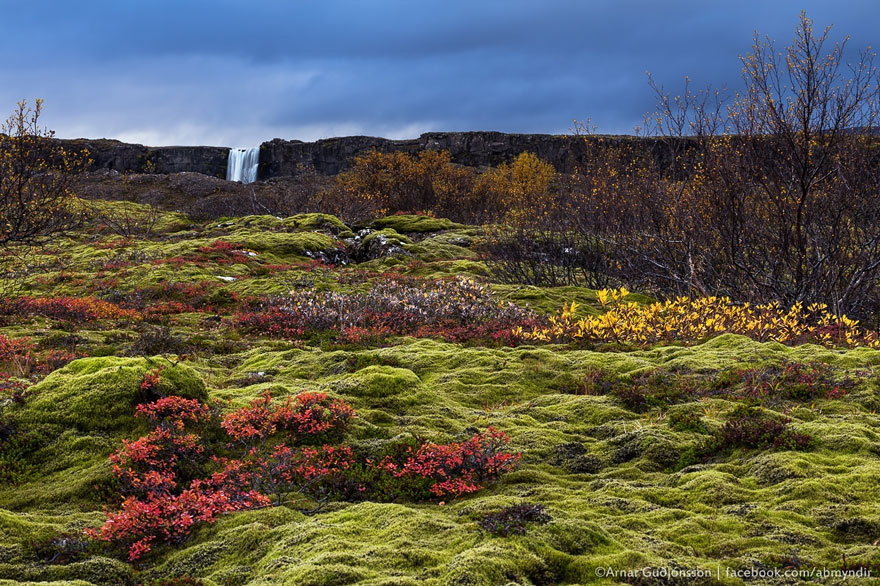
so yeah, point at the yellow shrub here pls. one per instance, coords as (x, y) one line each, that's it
(520, 190)
(692, 320)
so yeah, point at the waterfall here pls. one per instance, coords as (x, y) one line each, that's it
(242, 165)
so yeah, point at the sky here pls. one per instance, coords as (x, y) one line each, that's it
(223, 73)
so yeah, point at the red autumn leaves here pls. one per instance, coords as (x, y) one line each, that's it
(195, 465)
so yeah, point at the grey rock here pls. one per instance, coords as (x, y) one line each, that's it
(287, 158)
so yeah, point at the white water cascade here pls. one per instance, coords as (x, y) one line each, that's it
(242, 165)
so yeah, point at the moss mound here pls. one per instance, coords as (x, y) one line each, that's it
(388, 236)
(412, 223)
(318, 222)
(100, 394)
(445, 246)
(382, 386)
(282, 244)
(384, 381)
(96, 571)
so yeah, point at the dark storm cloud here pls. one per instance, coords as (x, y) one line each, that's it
(241, 72)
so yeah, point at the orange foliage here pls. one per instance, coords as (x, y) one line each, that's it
(390, 182)
(385, 183)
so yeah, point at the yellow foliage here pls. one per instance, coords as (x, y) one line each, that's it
(692, 320)
(521, 190)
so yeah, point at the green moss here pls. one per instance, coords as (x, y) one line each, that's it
(33, 527)
(312, 222)
(389, 235)
(100, 571)
(411, 223)
(624, 489)
(284, 245)
(165, 223)
(319, 222)
(382, 386)
(497, 562)
(95, 571)
(551, 299)
(446, 246)
(384, 381)
(262, 221)
(100, 394)
(447, 268)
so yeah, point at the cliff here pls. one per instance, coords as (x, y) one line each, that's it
(121, 156)
(474, 149)
(280, 158)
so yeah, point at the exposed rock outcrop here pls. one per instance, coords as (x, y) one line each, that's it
(121, 156)
(284, 158)
(475, 149)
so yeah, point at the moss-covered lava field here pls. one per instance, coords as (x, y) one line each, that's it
(724, 460)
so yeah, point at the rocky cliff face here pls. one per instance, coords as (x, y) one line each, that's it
(120, 156)
(281, 158)
(476, 149)
(205, 160)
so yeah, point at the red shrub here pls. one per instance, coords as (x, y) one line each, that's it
(151, 381)
(753, 429)
(10, 387)
(173, 411)
(253, 424)
(140, 522)
(19, 357)
(159, 476)
(453, 469)
(313, 415)
(77, 309)
(316, 473)
(167, 485)
(168, 298)
(307, 418)
(55, 359)
(12, 350)
(151, 464)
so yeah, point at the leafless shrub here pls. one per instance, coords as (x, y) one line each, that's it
(546, 257)
(36, 179)
(155, 340)
(771, 195)
(126, 219)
